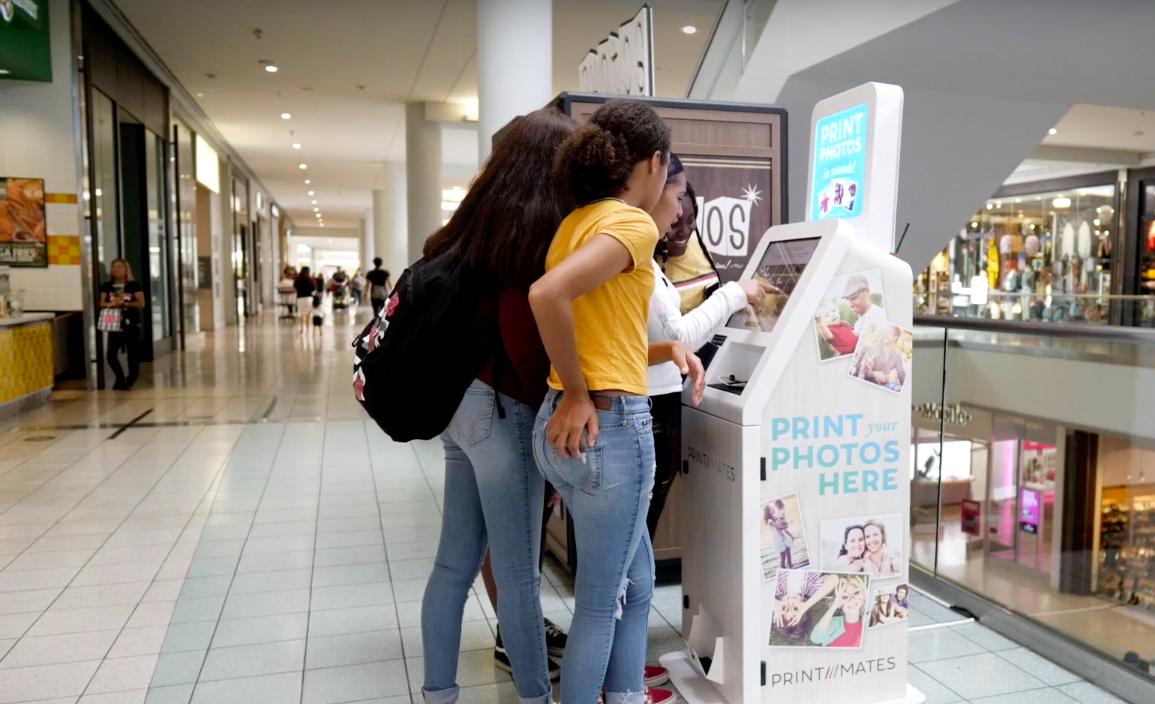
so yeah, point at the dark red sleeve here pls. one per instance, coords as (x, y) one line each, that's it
(523, 344)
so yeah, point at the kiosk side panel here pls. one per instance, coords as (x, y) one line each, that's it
(720, 589)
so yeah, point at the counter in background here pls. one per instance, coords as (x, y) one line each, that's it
(26, 362)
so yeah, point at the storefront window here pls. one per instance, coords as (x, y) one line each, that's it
(104, 199)
(1045, 256)
(987, 505)
(157, 236)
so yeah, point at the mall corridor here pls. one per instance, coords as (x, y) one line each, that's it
(237, 530)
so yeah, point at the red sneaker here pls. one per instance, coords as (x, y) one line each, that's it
(655, 676)
(659, 696)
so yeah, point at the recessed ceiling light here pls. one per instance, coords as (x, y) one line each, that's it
(316, 210)
(200, 95)
(296, 146)
(1053, 131)
(314, 202)
(310, 193)
(689, 29)
(304, 166)
(271, 68)
(285, 116)
(307, 182)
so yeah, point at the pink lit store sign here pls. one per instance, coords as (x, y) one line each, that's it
(1029, 501)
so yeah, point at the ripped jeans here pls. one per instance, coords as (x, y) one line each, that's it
(607, 492)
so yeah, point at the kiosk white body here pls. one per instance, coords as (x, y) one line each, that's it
(797, 467)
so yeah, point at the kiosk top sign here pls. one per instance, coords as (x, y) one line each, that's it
(622, 63)
(838, 188)
(854, 150)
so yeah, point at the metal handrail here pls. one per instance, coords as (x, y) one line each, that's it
(1053, 294)
(1097, 333)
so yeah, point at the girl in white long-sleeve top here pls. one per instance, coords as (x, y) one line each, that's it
(666, 323)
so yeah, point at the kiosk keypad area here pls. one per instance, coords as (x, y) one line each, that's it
(795, 526)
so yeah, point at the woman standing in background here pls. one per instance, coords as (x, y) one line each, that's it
(122, 291)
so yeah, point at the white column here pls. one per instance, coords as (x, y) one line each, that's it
(514, 63)
(390, 224)
(422, 178)
(365, 243)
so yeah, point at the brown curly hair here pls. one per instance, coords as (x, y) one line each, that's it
(597, 160)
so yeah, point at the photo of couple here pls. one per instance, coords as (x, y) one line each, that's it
(783, 536)
(891, 605)
(850, 301)
(871, 545)
(819, 609)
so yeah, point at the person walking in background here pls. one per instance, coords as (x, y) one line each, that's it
(379, 285)
(591, 308)
(493, 491)
(122, 291)
(358, 285)
(306, 287)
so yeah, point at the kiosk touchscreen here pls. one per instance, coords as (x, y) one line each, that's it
(796, 516)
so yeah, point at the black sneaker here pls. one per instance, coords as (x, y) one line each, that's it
(555, 639)
(501, 659)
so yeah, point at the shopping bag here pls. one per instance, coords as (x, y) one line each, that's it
(111, 319)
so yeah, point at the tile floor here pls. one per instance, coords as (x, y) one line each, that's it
(254, 540)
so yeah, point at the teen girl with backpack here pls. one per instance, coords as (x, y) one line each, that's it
(493, 491)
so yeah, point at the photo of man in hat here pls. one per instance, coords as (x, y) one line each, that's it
(857, 295)
(839, 318)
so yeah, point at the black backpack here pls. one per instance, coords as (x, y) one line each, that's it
(414, 361)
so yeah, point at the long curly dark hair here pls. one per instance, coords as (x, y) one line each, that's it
(505, 223)
(597, 160)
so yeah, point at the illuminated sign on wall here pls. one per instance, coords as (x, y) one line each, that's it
(25, 47)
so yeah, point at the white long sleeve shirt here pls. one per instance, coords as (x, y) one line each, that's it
(667, 324)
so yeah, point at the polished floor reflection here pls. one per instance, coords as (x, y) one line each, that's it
(235, 530)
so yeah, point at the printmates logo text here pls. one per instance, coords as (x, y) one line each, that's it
(832, 672)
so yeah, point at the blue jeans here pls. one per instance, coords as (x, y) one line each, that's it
(607, 491)
(494, 495)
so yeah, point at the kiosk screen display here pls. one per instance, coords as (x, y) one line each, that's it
(781, 267)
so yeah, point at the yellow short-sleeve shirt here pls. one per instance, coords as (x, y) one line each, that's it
(610, 321)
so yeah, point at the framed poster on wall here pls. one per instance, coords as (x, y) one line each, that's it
(23, 233)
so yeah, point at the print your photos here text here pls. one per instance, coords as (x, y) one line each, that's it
(851, 453)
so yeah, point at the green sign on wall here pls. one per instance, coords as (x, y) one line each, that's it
(25, 53)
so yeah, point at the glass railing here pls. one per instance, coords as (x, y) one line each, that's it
(1089, 308)
(1033, 477)
(735, 34)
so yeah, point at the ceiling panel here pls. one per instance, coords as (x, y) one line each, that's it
(346, 68)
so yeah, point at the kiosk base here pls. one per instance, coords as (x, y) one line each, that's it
(696, 689)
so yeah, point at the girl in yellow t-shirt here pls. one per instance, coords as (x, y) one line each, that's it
(593, 438)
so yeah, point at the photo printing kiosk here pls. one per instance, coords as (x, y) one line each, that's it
(798, 454)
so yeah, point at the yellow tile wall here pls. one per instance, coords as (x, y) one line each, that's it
(26, 363)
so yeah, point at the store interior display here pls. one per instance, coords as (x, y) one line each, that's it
(1127, 545)
(1045, 256)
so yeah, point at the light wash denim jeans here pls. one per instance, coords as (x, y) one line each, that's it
(494, 495)
(607, 491)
